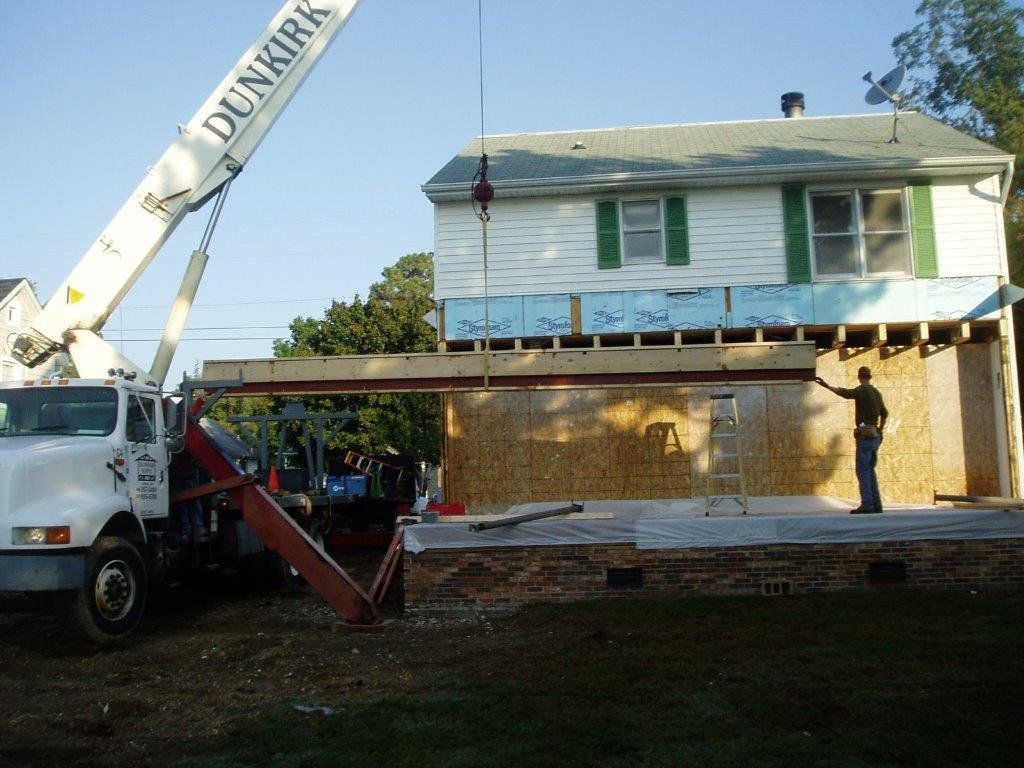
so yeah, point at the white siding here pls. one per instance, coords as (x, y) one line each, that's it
(548, 245)
(968, 220)
(27, 309)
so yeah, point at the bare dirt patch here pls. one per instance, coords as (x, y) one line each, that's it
(206, 657)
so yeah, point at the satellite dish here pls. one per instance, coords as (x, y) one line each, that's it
(886, 89)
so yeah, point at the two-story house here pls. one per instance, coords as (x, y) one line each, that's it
(18, 308)
(883, 253)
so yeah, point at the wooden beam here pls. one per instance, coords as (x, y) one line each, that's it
(575, 315)
(759, 335)
(839, 337)
(520, 369)
(799, 333)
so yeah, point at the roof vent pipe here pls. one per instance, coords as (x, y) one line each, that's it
(793, 104)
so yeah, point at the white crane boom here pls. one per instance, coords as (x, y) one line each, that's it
(209, 152)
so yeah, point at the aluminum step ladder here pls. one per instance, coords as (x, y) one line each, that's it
(725, 455)
(368, 465)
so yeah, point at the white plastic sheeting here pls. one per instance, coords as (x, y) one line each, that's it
(681, 524)
(958, 524)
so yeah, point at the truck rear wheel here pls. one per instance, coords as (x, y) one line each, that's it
(110, 603)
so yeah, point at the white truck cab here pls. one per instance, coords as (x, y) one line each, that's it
(85, 503)
(84, 473)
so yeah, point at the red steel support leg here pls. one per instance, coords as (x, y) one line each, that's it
(279, 532)
(388, 567)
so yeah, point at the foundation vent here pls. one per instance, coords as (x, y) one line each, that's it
(781, 587)
(887, 572)
(624, 578)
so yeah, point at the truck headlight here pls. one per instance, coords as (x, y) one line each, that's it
(54, 534)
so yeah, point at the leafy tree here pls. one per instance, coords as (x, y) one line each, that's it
(389, 321)
(966, 58)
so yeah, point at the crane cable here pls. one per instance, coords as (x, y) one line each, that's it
(483, 193)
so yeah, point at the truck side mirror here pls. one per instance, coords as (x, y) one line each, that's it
(174, 423)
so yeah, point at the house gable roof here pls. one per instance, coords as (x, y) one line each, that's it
(9, 286)
(6, 286)
(702, 154)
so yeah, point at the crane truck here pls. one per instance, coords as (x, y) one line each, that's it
(89, 510)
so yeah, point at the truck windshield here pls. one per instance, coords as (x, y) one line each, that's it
(57, 411)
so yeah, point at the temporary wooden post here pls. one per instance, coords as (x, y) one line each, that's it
(879, 336)
(962, 333)
(920, 335)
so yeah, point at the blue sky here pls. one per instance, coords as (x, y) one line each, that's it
(94, 89)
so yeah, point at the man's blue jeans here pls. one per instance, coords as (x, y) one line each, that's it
(867, 458)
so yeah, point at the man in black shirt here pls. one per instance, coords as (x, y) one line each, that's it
(871, 415)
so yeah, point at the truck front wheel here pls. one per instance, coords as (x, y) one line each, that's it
(110, 603)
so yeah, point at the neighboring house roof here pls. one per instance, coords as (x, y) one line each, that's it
(7, 286)
(716, 154)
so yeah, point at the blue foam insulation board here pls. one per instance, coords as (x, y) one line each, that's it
(464, 318)
(547, 315)
(958, 298)
(764, 306)
(605, 312)
(679, 310)
(865, 301)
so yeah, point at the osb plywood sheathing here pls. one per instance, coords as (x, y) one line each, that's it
(649, 442)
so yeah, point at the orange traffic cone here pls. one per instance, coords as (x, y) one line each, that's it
(272, 482)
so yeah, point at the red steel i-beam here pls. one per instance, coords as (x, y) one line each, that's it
(279, 532)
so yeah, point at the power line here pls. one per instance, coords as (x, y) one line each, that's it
(228, 305)
(115, 340)
(208, 328)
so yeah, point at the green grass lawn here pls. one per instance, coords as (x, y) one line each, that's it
(884, 678)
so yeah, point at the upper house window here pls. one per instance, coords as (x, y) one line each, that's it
(860, 233)
(13, 315)
(641, 231)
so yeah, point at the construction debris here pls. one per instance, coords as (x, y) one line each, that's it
(525, 518)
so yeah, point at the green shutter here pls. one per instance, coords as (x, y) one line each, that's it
(609, 255)
(922, 229)
(677, 235)
(798, 250)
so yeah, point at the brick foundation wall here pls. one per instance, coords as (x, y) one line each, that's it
(451, 581)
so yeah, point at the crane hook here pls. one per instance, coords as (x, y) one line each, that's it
(483, 190)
